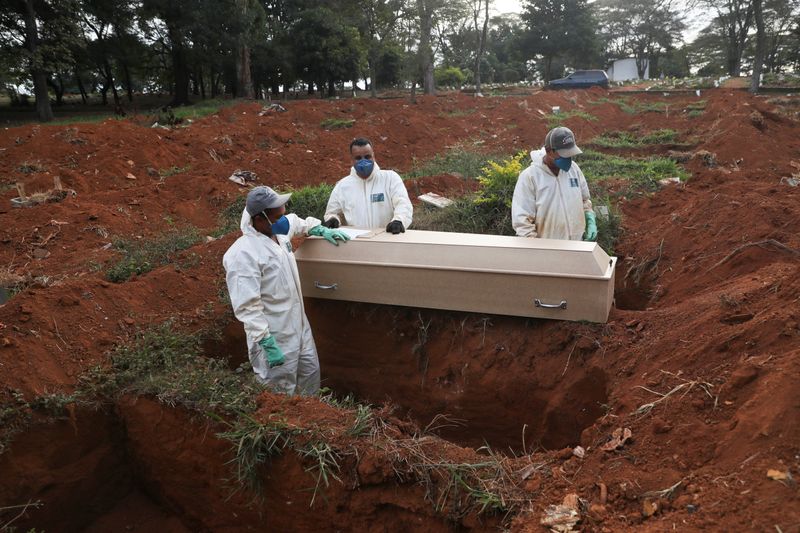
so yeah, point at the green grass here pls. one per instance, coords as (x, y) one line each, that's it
(624, 139)
(559, 119)
(633, 107)
(642, 174)
(310, 201)
(142, 256)
(457, 113)
(696, 106)
(202, 108)
(695, 113)
(337, 123)
(457, 160)
(173, 170)
(84, 119)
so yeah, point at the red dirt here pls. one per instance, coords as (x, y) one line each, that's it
(712, 310)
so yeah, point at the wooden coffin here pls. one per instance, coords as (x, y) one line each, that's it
(564, 280)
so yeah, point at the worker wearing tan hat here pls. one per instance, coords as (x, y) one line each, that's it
(551, 199)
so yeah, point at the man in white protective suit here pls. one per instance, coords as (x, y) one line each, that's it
(369, 197)
(264, 287)
(551, 199)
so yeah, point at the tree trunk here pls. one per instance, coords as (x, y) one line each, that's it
(43, 109)
(58, 89)
(760, 42)
(202, 82)
(81, 88)
(244, 76)
(126, 71)
(548, 64)
(110, 82)
(373, 73)
(425, 50)
(179, 68)
(481, 43)
(331, 89)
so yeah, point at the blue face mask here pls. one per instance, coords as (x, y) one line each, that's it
(364, 167)
(563, 163)
(281, 226)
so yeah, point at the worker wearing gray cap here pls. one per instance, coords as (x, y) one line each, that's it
(551, 199)
(264, 288)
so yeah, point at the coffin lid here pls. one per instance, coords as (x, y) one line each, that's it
(466, 251)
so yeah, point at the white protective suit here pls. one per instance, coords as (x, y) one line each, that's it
(549, 206)
(372, 202)
(264, 288)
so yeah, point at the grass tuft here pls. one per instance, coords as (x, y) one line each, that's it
(467, 162)
(642, 174)
(337, 123)
(140, 257)
(559, 119)
(625, 139)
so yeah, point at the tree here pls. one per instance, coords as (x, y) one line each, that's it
(643, 29)
(425, 10)
(380, 18)
(481, 44)
(734, 19)
(179, 18)
(779, 18)
(760, 42)
(42, 34)
(327, 51)
(564, 30)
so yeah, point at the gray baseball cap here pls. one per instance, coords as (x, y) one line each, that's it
(562, 140)
(262, 197)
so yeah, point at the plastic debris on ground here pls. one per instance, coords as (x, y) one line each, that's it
(241, 177)
(431, 198)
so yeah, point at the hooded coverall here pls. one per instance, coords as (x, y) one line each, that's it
(372, 202)
(550, 206)
(264, 288)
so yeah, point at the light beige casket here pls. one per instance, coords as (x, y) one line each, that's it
(565, 280)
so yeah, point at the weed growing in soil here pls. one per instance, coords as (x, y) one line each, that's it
(173, 170)
(695, 113)
(337, 123)
(457, 160)
(625, 139)
(310, 201)
(558, 119)
(254, 444)
(324, 464)
(29, 167)
(16, 413)
(139, 257)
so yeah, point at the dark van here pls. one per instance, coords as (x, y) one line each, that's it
(580, 79)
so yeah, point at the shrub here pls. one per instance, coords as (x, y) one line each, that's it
(449, 76)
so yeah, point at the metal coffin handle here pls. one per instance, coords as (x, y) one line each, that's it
(538, 303)
(319, 285)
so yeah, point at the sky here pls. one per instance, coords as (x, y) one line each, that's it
(696, 20)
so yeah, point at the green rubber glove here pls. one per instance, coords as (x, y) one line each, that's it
(330, 235)
(591, 226)
(273, 351)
